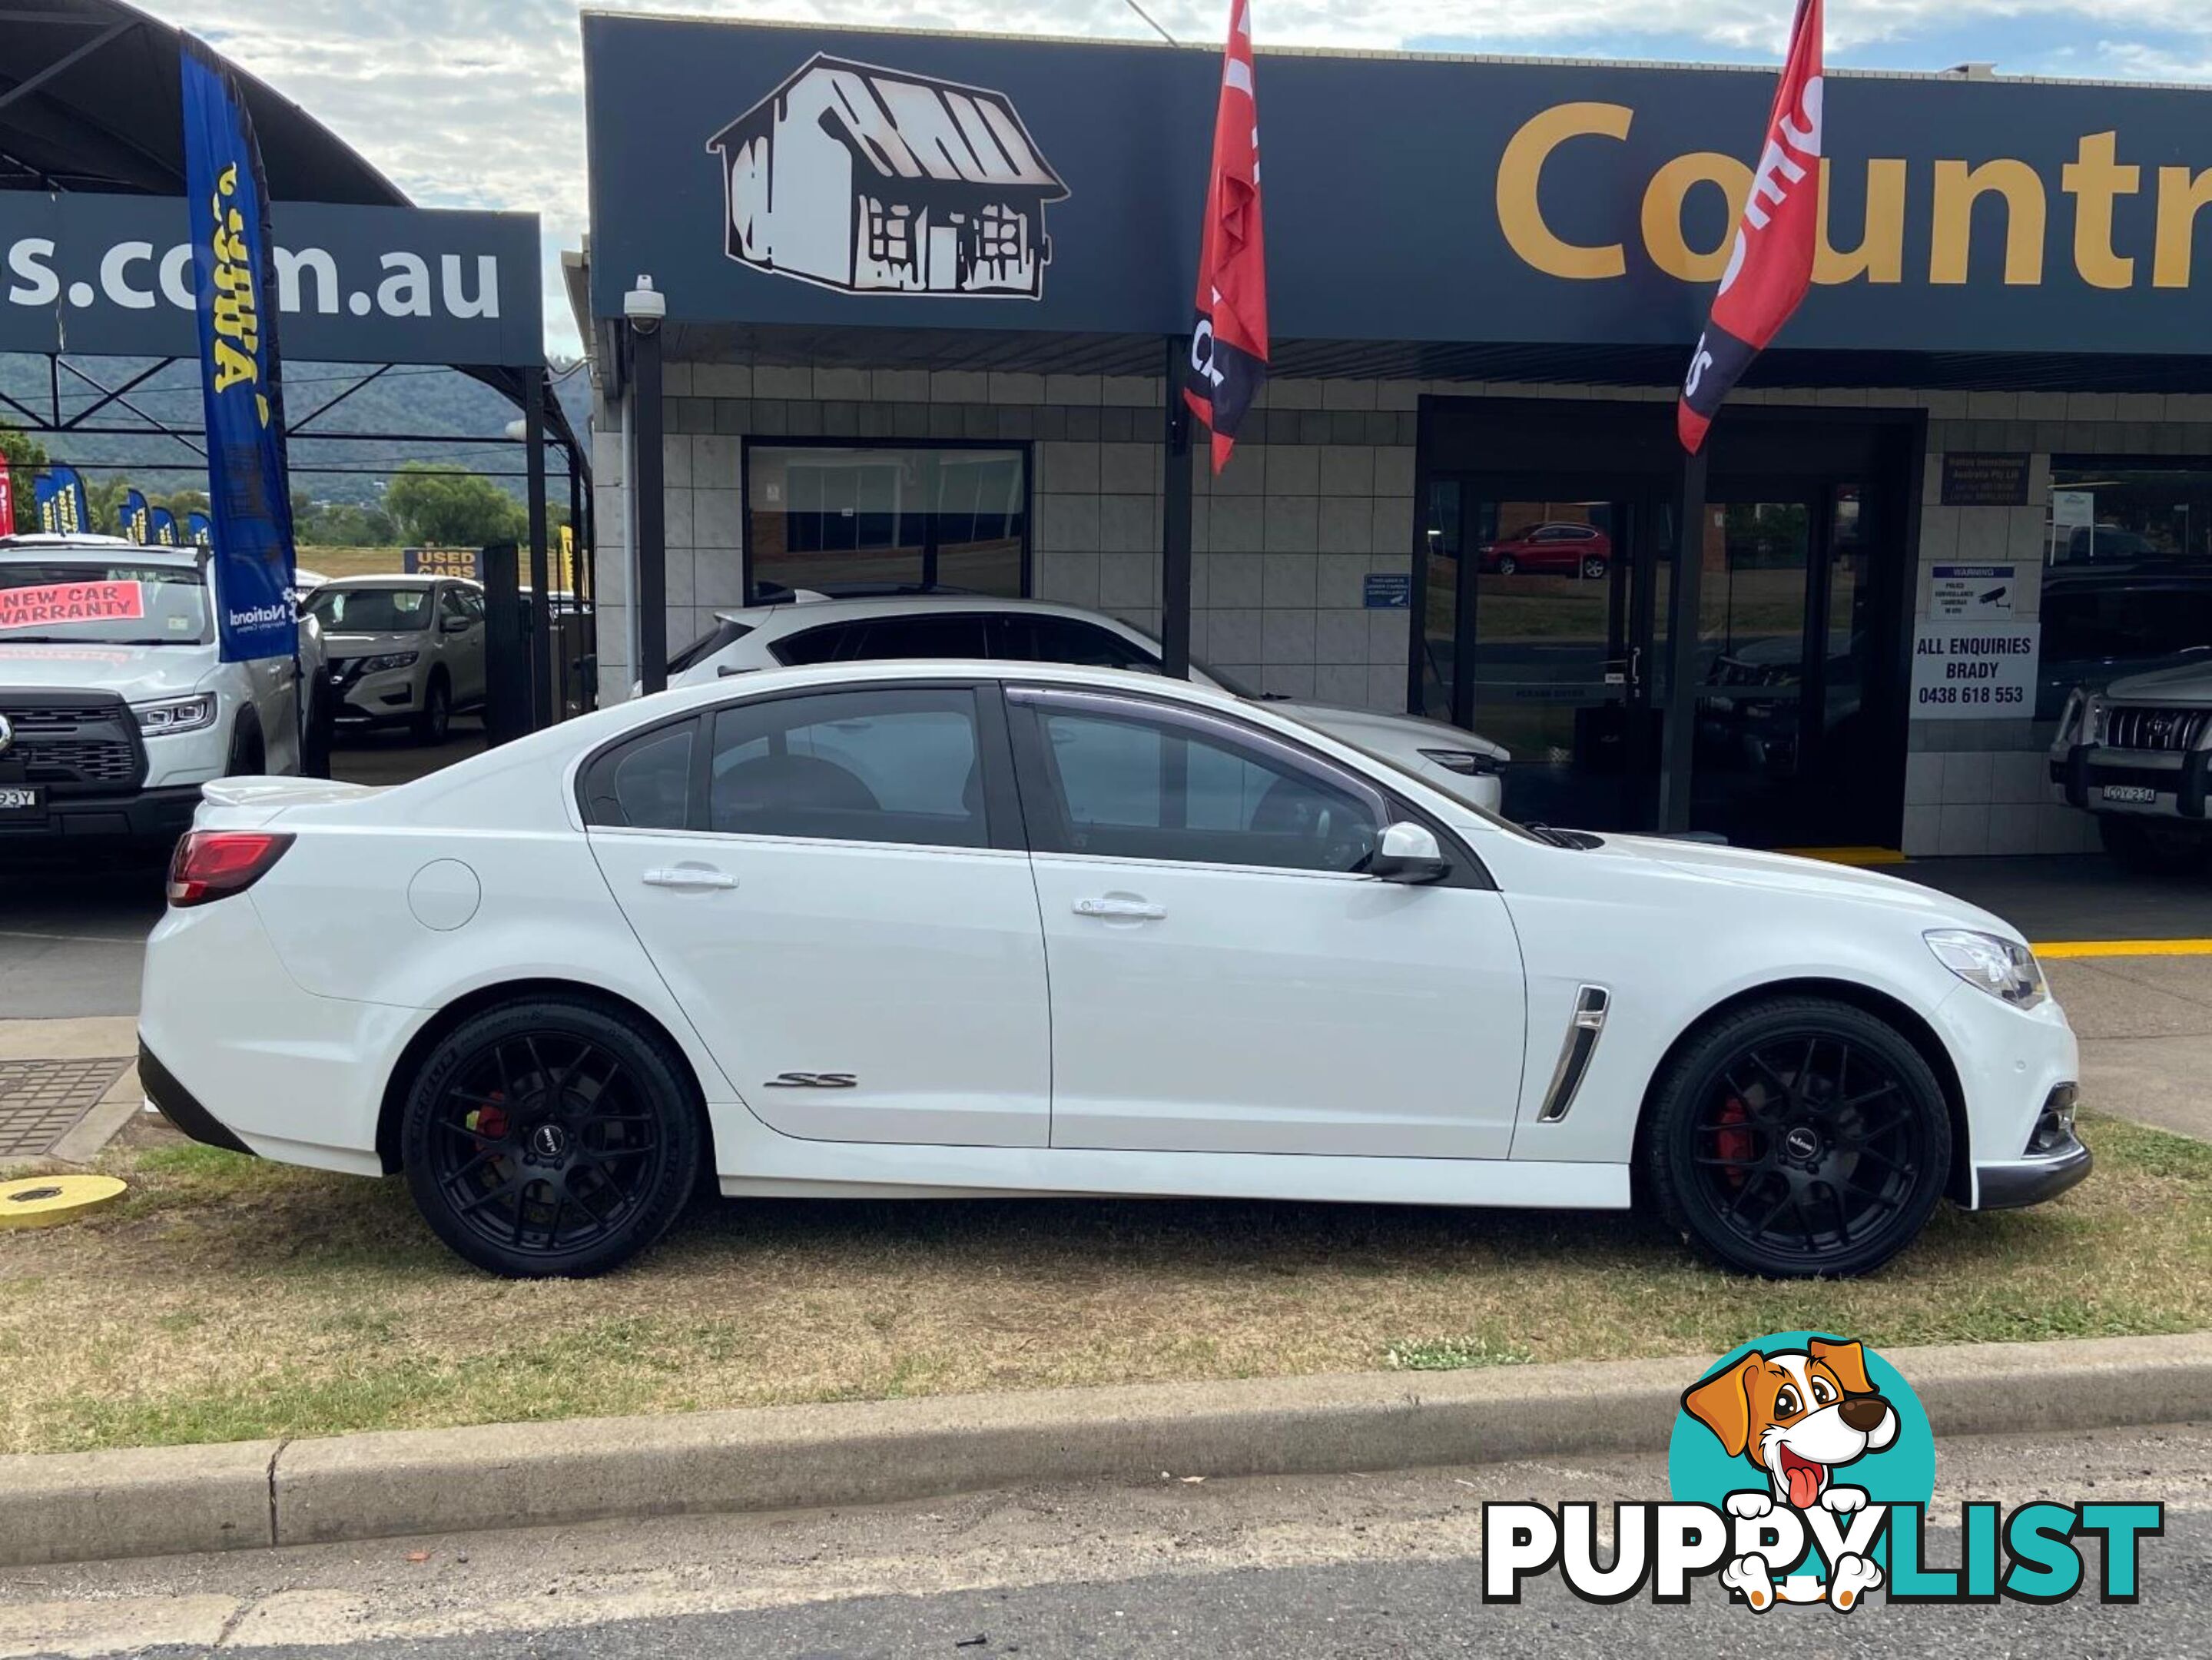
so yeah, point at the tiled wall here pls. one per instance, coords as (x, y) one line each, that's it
(1319, 495)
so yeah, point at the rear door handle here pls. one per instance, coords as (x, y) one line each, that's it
(689, 876)
(1135, 910)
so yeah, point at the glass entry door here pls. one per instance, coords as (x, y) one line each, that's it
(1783, 641)
(1537, 630)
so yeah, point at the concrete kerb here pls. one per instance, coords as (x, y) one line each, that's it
(82, 1506)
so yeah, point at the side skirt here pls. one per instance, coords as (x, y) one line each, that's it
(767, 1163)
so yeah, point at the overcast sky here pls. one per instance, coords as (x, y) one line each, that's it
(479, 103)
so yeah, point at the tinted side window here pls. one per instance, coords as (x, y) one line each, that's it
(645, 784)
(822, 645)
(923, 636)
(1064, 639)
(898, 765)
(1129, 787)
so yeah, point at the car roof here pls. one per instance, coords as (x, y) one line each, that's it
(43, 546)
(808, 613)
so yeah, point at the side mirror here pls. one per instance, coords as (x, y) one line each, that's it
(456, 625)
(1408, 853)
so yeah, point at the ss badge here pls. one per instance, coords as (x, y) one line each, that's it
(812, 1081)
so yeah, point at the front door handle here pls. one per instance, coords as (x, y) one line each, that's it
(1133, 910)
(689, 876)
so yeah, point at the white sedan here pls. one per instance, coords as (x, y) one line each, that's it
(927, 929)
(811, 627)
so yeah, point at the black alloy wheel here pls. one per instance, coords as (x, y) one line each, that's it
(1800, 1137)
(550, 1139)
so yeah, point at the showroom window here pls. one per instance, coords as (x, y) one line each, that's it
(870, 519)
(2127, 580)
(879, 765)
(1137, 786)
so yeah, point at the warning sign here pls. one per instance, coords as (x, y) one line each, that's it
(1973, 593)
(71, 602)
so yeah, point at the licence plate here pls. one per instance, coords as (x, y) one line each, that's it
(19, 798)
(2130, 793)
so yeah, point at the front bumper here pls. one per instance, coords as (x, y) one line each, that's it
(2025, 1181)
(387, 695)
(2179, 784)
(154, 815)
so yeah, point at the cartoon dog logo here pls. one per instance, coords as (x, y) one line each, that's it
(1797, 1415)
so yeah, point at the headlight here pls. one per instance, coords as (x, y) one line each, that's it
(1465, 762)
(174, 714)
(390, 659)
(1999, 966)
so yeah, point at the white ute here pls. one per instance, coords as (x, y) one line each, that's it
(114, 706)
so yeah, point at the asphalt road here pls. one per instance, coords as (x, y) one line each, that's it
(1275, 1569)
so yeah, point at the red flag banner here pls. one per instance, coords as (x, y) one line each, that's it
(1228, 340)
(1770, 265)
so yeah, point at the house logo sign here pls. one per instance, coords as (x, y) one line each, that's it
(872, 180)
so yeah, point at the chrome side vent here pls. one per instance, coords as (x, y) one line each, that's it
(1575, 1052)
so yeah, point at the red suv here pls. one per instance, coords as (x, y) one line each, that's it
(1559, 550)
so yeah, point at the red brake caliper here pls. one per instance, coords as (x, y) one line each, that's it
(489, 1123)
(1733, 1143)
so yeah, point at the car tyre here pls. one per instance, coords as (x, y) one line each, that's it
(1797, 1136)
(1594, 569)
(435, 719)
(2149, 845)
(1507, 564)
(248, 756)
(555, 1138)
(319, 737)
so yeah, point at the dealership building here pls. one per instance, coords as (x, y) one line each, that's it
(920, 291)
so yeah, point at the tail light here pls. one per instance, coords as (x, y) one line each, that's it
(213, 865)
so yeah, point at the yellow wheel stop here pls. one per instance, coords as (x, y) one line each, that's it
(45, 1202)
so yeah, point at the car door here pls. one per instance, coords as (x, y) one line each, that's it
(833, 885)
(461, 645)
(1224, 979)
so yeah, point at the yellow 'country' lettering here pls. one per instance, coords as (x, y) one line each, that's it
(1520, 175)
(2181, 194)
(1957, 188)
(1880, 255)
(2093, 178)
(1663, 214)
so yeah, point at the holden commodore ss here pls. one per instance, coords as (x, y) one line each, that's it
(925, 929)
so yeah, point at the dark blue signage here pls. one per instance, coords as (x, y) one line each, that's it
(137, 525)
(112, 275)
(234, 276)
(948, 181)
(1388, 590)
(59, 493)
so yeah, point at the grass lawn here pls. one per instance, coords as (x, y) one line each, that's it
(226, 1299)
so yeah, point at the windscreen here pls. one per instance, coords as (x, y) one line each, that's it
(371, 610)
(101, 602)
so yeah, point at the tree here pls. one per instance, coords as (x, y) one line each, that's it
(24, 455)
(441, 508)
